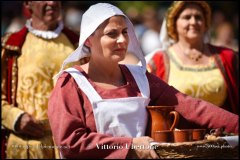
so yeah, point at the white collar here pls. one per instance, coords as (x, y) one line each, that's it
(45, 34)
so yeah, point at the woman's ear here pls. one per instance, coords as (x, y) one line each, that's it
(87, 43)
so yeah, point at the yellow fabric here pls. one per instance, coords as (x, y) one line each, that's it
(205, 82)
(41, 59)
(10, 115)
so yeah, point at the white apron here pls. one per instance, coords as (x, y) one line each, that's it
(122, 117)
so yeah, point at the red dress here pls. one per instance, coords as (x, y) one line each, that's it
(72, 122)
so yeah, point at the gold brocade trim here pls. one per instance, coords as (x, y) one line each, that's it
(5, 38)
(10, 47)
(14, 79)
(13, 48)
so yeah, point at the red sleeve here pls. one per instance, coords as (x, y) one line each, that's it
(157, 65)
(193, 110)
(229, 68)
(71, 133)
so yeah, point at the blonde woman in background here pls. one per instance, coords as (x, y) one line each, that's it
(189, 63)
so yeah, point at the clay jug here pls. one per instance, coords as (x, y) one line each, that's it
(160, 119)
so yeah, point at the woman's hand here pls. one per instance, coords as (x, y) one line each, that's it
(141, 148)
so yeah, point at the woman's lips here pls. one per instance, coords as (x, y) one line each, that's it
(120, 49)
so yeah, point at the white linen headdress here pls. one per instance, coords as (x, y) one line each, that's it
(164, 40)
(91, 19)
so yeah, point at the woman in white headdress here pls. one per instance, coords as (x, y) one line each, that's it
(98, 109)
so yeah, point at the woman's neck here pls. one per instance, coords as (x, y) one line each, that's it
(104, 73)
(191, 45)
(192, 53)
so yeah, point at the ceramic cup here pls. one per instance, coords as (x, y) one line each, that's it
(198, 134)
(163, 136)
(183, 135)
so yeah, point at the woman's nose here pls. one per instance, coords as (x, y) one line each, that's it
(121, 38)
(52, 2)
(193, 20)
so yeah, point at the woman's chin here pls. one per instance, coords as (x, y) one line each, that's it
(194, 37)
(118, 58)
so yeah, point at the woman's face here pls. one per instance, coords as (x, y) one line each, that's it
(191, 24)
(110, 40)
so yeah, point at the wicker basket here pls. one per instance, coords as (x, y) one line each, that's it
(206, 149)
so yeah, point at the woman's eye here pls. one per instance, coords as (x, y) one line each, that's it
(125, 32)
(198, 17)
(112, 34)
(187, 17)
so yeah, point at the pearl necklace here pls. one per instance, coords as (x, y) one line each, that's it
(192, 55)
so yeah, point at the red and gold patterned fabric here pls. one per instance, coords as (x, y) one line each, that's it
(28, 65)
